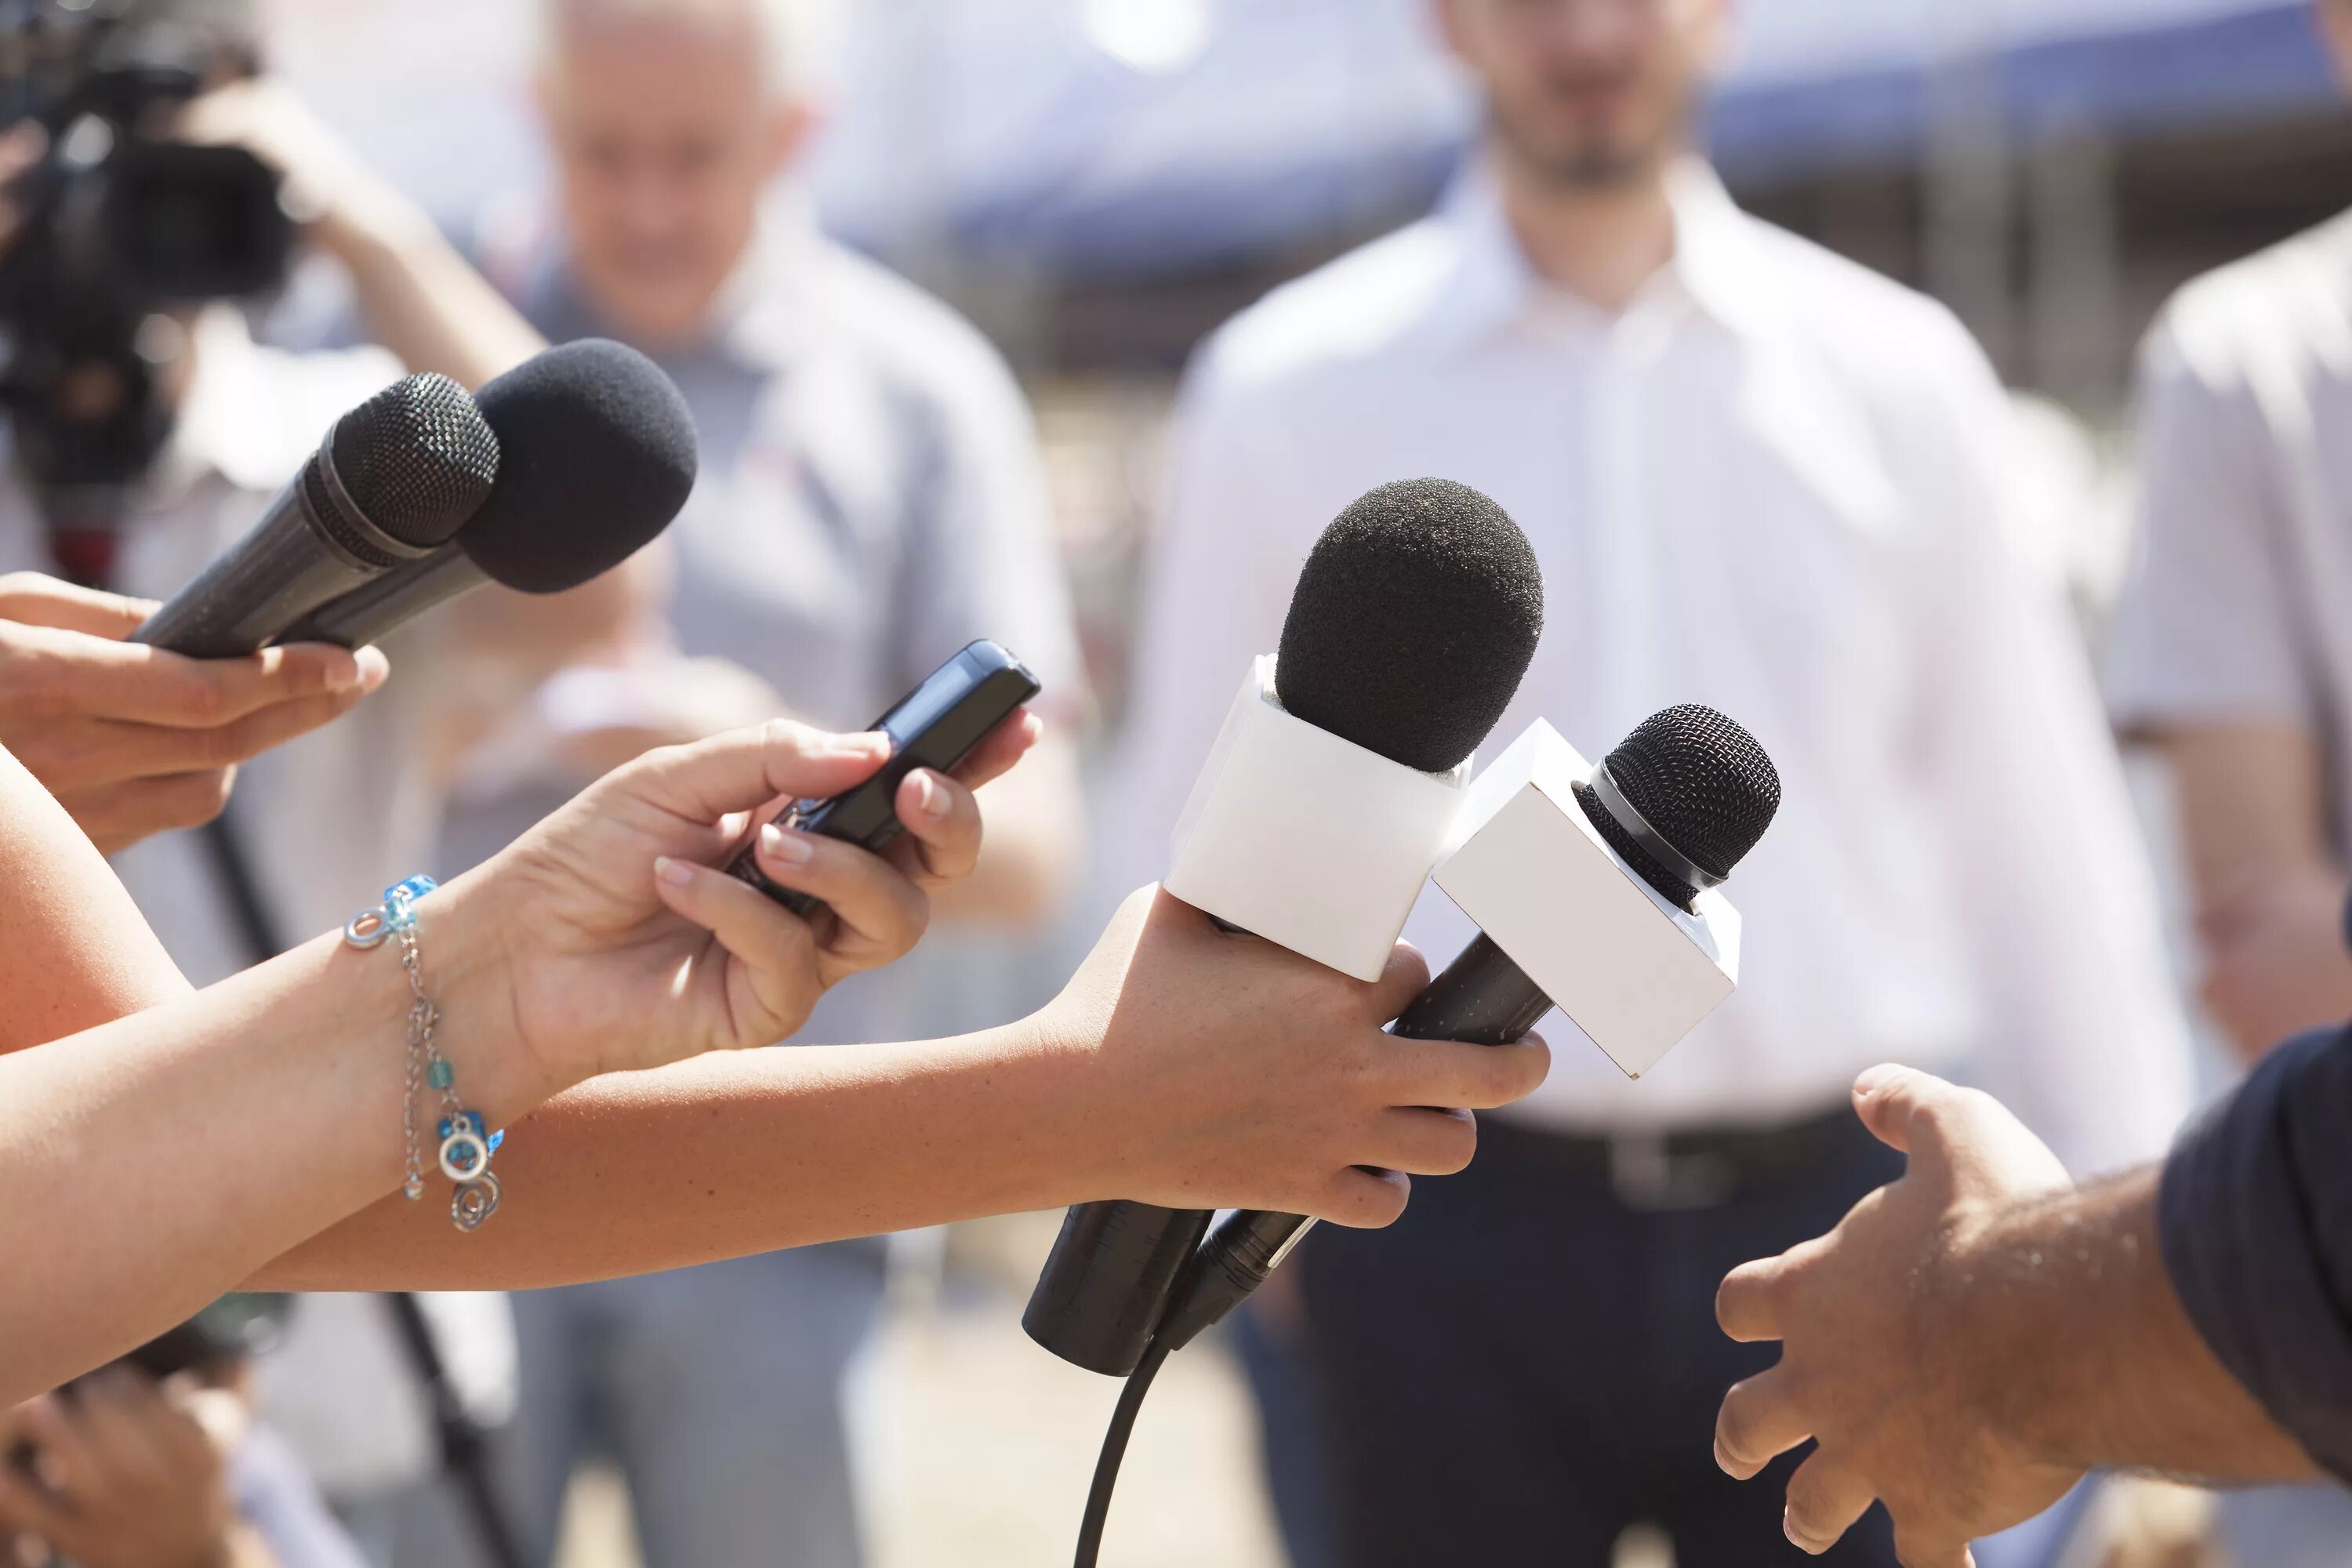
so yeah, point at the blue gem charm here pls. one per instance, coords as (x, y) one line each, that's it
(440, 1074)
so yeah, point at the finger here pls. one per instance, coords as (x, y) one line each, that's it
(776, 948)
(1463, 1078)
(27, 1506)
(113, 816)
(1748, 1304)
(149, 685)
(1890, 1099)
(146, 750)
(1825, 1498)
(1404, 977)
(1760, 1419)
(942, 840)
(56, 1431)
(744, 769)
(878, 915)
(30, 599)
(1425, 1142)
(122, 1410)
(1366, 1200)
(1004, 746)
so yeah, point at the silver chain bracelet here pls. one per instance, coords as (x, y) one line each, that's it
(466, 1145)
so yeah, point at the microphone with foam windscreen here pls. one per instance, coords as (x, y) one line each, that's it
(1593, 887)
(597, 454)
(393, 480)
(1333, 787)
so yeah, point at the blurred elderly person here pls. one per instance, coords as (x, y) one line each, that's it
(2231, 658)
(871, 500)
(1760, 477)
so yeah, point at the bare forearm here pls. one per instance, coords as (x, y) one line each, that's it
(742, 1153)
(421, 299)
(150, 1163)
(2104, 1366)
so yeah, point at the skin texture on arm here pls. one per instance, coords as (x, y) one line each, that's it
(1971, 1338)
(787, 1147)
(2253, 810)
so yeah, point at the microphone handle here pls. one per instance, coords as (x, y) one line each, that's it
(368, 611)
(1107, 1282)
(1483, 998)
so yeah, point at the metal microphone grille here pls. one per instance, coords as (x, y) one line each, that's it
(1702, 781)
(417, 458)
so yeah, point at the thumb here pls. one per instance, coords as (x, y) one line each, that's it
(745, 769)
(1894, 1103)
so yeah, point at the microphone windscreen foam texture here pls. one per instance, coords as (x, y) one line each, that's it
(1698, 778)
(598, 454)
(1413, 620)
(417, 458)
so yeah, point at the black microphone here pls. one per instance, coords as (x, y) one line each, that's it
(393, 480)
(1413, 619)
(596, 456)
(1682, 801)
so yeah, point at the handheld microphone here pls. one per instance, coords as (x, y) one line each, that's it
(1678, 804)
(1330, 791)
(596, 456)
(393, 480)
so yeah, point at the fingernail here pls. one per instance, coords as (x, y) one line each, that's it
(1723, 1461)
(792, 848)
(676, 873)
(929, 798)
(1876, 1078)
(1788, 1529)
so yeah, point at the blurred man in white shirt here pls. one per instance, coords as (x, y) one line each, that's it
(2233, 657)
(1758, 477)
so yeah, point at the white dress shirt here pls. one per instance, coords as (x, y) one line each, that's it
(1775, 484)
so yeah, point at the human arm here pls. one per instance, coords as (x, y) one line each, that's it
(153, 1162)
(2212, 665)
(134, 739)
(2078, 1028)
(1972, 1338)
(1184, 1066)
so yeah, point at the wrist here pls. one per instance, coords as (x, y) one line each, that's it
(464, 933)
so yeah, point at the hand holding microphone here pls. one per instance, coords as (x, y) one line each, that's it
(137, 740)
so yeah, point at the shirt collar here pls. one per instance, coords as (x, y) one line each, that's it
(1716, 262)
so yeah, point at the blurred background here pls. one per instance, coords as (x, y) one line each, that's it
(1097, 184)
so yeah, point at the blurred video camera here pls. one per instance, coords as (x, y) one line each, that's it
(118, 224)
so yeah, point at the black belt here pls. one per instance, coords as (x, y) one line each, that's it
(1695, 1169)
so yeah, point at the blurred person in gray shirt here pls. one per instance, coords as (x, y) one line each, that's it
(871, 499)
(2233, 657)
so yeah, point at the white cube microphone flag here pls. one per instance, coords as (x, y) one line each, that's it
(1296, 864)
(1634, 970)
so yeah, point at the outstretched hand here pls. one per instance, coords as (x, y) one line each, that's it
(1884, 1358)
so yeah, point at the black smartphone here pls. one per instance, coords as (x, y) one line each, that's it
(935, 726)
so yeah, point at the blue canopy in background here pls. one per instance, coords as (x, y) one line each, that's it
(1135, 138)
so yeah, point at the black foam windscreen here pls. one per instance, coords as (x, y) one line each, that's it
(598, 454)
(1415, 619)
(417, 458)
(1701, 781)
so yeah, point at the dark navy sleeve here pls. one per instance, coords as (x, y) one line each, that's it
(2255, 1216)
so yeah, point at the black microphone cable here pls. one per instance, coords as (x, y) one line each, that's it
(1114, 1449)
